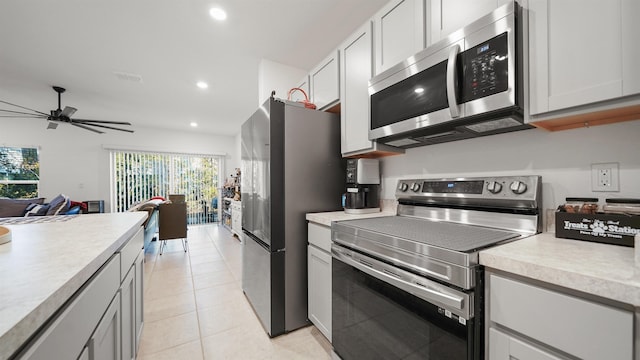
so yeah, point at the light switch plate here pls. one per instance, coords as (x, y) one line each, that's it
(605, 177)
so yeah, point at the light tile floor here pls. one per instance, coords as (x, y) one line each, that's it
(195, 308)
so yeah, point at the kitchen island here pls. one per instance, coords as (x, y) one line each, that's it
(46, 264)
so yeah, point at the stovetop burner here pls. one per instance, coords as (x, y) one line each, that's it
(457, 237)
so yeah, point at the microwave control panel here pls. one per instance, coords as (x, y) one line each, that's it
(485, 69)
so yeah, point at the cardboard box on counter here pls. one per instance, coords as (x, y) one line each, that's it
(617, 229)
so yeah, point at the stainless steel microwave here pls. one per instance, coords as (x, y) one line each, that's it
(470, 84)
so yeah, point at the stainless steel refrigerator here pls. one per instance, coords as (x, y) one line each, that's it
(291, 165)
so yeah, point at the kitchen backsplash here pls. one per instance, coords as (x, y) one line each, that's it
(562, 158)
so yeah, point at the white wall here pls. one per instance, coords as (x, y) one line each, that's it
(74, 162)
(562, 158)
(278, 77)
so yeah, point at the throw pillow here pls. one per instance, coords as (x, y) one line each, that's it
(59, 205)
(83, 206)
(16, 207)
(36, 210)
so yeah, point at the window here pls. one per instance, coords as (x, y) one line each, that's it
(19, 172)
(139, 176)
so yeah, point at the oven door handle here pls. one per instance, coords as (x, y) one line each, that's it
(452, 80)
(423, 291)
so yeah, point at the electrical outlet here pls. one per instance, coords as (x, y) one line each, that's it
(605, 177)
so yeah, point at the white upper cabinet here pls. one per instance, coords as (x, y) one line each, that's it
(356, 68)
(325, 84)
(630, 47)
(304, 85)
(399, 32)
(447, 16)
(576, 52)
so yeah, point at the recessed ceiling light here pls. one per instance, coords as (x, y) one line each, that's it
(194, 124)
(218, 14)
(419, 90)
(202, 85)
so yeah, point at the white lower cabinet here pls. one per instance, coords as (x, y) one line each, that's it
(104, 319)
(105, 343)
(128, 314)
(236, 217)
(68, 334)
(139, 285)
(319, 277)
(503, 346)
(527, 321)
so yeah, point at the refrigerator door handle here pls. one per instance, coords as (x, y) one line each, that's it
(256, 239)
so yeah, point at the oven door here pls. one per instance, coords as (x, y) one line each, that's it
(382, 312)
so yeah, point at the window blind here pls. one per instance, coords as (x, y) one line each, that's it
(139, 176)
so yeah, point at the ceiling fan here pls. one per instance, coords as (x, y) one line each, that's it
(62, 116)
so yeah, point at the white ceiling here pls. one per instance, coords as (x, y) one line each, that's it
(171, 44)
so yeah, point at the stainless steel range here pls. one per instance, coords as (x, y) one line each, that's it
(411, 285)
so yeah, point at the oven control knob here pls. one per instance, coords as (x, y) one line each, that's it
(494, 187)
(518, 187)
(403, 187)
(415, 187)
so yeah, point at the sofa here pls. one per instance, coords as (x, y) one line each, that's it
(59, 205)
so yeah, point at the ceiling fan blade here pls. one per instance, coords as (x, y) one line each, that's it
(52, 125)
(21, 113)
(24, 116)
(100, 126)
(25, 108)
(86, 121)
(87, 128)
(68, 111)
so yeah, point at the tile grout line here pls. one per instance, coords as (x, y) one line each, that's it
(195, 299)
(194, 293)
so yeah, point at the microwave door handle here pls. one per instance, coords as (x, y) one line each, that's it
(452, 79)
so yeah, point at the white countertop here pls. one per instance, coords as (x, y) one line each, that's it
(608, 271)
(325, 218)
(45, 264)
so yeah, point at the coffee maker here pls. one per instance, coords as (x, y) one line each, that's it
(363, 186)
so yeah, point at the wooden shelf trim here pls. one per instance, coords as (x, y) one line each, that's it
(591, 119)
